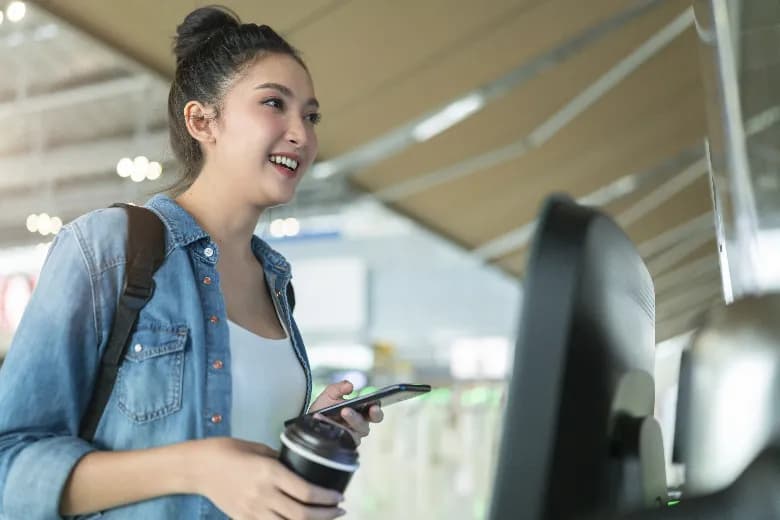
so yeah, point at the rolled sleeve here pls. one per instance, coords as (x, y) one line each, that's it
(45, 384)
(37, 477)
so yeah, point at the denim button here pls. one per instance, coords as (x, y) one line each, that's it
(213, 319)
(208, 252)
(207, 280)
(216, 418)
(217, 364)
(138, 347)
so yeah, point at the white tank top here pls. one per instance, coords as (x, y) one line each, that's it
(269, 386)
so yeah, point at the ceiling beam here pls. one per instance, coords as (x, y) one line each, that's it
(402, 137)
(82, 159)
(113, 88)
(672, 256)
(676, 278)
(611, 193)
(696, 226)
(662, 193)
(683, 322)
(552, 125)
(54, 13)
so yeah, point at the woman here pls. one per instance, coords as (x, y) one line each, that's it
(216, 362)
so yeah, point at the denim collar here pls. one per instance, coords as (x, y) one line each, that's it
(184, 230)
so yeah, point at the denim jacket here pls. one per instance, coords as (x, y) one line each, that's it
(174, 384)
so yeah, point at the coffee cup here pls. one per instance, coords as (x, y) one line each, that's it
(321, 451)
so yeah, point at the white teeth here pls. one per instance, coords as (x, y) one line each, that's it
(286, 161)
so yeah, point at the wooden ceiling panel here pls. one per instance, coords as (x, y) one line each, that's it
(509, 119)
(514, 263)
(685, 205)
(143, 29)
(378, 65)
(382, 43)
(474, 61)
(486, 205)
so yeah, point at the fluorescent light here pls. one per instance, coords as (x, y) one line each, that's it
(15, 11)
(449, 116)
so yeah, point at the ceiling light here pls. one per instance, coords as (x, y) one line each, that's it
(32, 223)
(277, 228)
(139, 169)
(291, 227)
(154, 171)
(138, 175)
(124, 168)
(141, 163)
(56, 225)
(15, 11)
(44, 224)
(449, 116)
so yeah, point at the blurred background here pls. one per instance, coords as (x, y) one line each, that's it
(446, 123)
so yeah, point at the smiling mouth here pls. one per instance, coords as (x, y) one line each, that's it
(286, 164)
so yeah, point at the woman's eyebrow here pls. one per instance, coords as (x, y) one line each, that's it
(287, 92)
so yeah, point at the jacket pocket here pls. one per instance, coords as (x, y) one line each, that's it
(149, 384)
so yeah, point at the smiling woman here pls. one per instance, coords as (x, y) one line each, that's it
(215, 362)
(251, 103)
(250, 137)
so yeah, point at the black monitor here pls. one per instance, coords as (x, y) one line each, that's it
(579, 438)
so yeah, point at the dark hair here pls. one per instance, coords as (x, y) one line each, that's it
(212, 47)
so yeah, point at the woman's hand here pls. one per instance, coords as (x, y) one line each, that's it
(356, 422)
(246, 481)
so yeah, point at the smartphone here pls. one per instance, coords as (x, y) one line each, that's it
(384, 396)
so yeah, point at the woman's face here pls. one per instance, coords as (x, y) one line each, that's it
(264, 135)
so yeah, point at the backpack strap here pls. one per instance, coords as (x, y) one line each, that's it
(145, 251)
(291, 297)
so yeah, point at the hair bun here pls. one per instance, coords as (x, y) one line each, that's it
(198, 26)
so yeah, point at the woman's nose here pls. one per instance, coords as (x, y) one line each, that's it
(296, 132)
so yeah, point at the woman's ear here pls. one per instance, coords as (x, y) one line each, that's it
(199, 122)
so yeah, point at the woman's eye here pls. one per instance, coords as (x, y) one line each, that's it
(274, 103)
(314, 118)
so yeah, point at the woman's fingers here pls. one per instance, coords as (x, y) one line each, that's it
(375, 414)
(291, 509)
(355, 421)
(296, 487)
(337, 391)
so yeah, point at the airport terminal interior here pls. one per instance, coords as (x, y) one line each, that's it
(563, 215)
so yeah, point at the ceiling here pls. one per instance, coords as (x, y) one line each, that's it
(600, 99)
